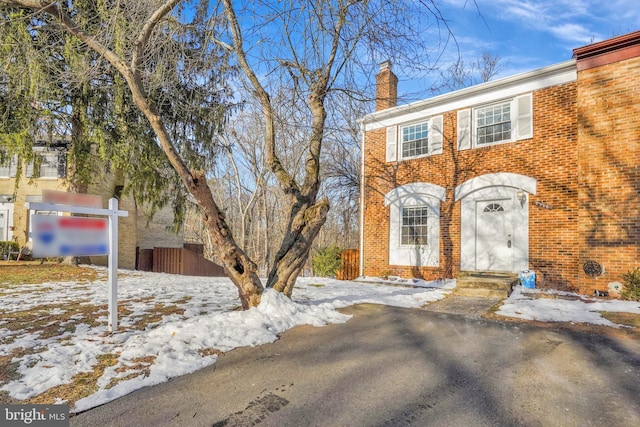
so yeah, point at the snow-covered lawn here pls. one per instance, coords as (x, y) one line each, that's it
(557, 306)
(168, 326)
(172, 325)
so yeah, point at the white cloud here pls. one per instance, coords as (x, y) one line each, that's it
(571, 21)
(575, 33)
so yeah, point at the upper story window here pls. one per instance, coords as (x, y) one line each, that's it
(414, 225)
(415, 140)
(493, 123)
(497, 123)
(50, 164)
(8, 166)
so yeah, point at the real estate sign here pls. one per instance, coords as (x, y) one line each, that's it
(69, 236)
(72, 235)
(71, 199)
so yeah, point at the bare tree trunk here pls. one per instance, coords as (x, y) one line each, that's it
(240, 269)
(294, 251)
(267, 224)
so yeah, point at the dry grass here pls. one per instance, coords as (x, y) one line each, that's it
(32, 272)
(627, 319)
(81, 386)
(40, 319)
(52, 321)
(141, 366)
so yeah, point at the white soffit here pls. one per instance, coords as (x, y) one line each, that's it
(507, 87)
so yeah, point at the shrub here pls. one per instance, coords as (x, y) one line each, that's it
(327, 261)
(631, 285)
(8, 246)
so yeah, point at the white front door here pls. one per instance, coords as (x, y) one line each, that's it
(494, 226)
(494, 235)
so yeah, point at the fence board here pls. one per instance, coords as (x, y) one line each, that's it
(177, 261)
(350, 265)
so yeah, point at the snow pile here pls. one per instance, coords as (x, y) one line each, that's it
(418, 283)
(181, 342)
(555, 306)
(180, 346)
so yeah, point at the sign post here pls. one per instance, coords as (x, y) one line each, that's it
(113, 266)
(80, 236)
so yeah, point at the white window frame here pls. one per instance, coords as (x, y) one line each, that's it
(49, 164)
(476, 118)
(521, 119)
(434, 137)
(424, 210)
(423, 195)
(9, 170)
(425, 140)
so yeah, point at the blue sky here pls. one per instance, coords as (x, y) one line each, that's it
(530, 34)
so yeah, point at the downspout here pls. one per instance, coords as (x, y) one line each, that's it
(362, 189)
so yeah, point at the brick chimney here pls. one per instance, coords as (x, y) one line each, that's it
(386, 87)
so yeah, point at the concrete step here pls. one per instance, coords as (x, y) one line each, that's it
(485, 293)
(487, 274)
(485, 284)
(467, 282)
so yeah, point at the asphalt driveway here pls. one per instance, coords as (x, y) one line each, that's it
(391, 367)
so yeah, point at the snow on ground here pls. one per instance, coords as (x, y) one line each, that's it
(178, 343)
(556, 306)
(201, 320)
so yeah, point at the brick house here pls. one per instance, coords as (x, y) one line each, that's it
(539, 171)
(135, 232)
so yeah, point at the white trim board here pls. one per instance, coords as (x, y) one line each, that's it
(507, 87)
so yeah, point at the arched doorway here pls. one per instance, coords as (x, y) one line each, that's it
(494, 227)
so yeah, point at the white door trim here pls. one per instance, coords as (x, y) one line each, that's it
(7, 209)
(501, 179)
(491, 187)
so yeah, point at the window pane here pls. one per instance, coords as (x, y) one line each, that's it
(493, 123)
(49, 165)
(415, 140)
(414, 226)
(8, 166)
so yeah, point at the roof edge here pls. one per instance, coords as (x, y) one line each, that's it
(472, 90)
(608, 51)
(606, 46)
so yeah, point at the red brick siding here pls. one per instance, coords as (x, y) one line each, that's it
(609, 166)
(549, 157)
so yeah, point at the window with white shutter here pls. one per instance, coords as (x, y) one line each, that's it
(497, 123)
(435, 135)
(415, 139)
(392, 145)
(8, 166)
(464, 129)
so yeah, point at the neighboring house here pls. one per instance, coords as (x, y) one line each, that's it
(537, 171)
(135, 232)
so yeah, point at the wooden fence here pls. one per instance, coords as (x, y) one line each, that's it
(350, 265)
(177, 261)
